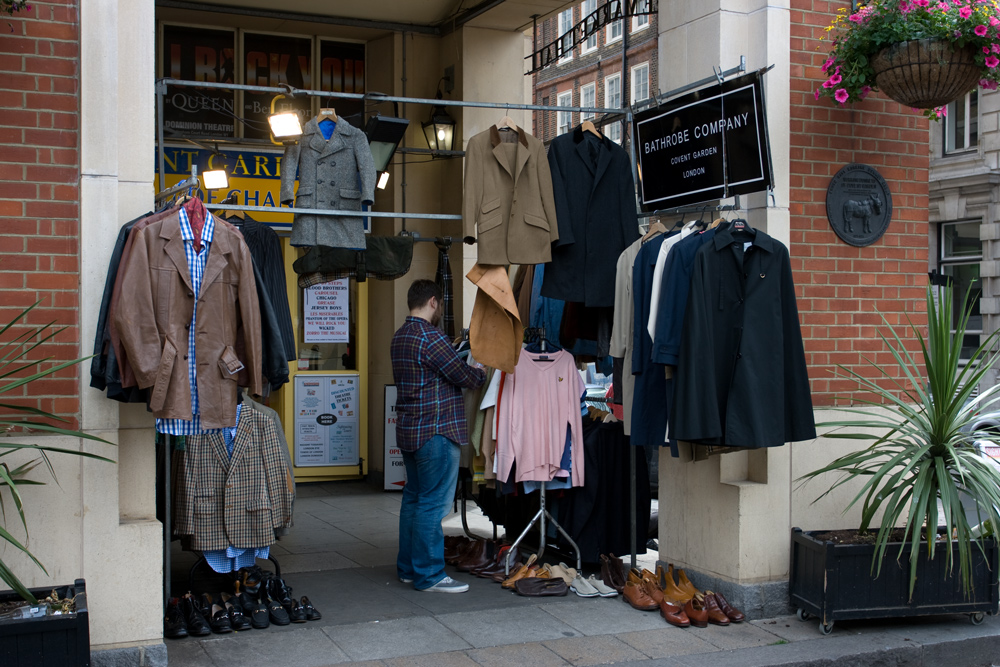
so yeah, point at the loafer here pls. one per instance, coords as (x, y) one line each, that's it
(220, 620)
(674, 615)
(297, 614)
(174, 625)
(734, 614)
(256, 610)
(276, 612)
(197, 626)
(603, 589)
(237, 619)
(583, 588)
(312, 614)
(535, 587)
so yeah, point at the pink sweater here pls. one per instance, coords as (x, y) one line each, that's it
(539, 400)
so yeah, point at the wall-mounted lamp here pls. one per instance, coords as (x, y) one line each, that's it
(440, 129)
(215, 179)
(286, 127)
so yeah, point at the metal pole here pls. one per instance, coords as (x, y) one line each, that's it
(402, 176)
(161, 90)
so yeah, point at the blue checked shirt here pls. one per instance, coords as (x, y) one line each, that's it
(196, 267)
(429, 379)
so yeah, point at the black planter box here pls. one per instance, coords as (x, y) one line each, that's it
(834, 582)
(50, 640)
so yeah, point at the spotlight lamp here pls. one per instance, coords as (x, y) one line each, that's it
(286, 127)
(215, 179)
(384, 136)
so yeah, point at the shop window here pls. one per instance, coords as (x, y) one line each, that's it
(566, 35)
(640, 83)
(961, 125)
(961, 251)
(614, 29)
(586, 9)
(613, 100)
(641, 21)
(588, 98)
(565, 118)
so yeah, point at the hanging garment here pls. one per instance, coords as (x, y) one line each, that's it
(336, 173)
(741, 379)
(287, 457)
(649, 398)
(161, 311)
(265, 249)
(508, 209)
(444, 281)
(236, 501)
(537, 403)
(385, 258)
(595, 201)
(622, 330)
(658, 283)
(495, 330)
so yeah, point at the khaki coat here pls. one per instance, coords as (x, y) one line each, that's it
(509, 209)
(495, 329)
(154, 315)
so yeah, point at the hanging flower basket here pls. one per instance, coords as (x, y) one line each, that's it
(926, 73)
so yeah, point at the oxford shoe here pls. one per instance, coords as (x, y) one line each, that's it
(696, 613)
(734, 614)
(635, 595)
(674, 615)
(715, 615)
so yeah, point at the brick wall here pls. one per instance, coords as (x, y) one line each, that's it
(39, 187)
(840, 286)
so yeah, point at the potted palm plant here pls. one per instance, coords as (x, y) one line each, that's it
(918, 467)
(53, 625)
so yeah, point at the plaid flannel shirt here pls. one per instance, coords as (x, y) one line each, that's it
(429, 379)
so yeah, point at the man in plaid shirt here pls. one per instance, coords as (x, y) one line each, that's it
(430, 427)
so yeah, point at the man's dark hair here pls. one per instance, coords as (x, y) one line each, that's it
(421, 292)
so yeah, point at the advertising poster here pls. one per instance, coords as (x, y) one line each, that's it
(342, 70)
(271, 60)
(327, 420)
(196, 54)
(327, 313)
(395, 473)
(710, 144)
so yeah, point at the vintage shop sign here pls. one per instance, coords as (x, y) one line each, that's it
(710, 144)
(858, 204)
(607, 13)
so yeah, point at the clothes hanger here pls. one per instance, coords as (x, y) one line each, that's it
(327, 113)
(743, 228)
(229, 215)
(588, 126)
(654, 229)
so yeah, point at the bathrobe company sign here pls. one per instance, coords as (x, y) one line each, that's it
(707, 145)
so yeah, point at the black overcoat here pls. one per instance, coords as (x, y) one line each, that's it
(595, 208)
(741, 378)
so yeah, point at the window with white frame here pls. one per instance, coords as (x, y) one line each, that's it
(960, 252)
(640, 83)
(586, 9)
(564, 119)
(642, 20)
(615, 27)
(961, 125)
(613, 100)
(588, 98)
(566, 34)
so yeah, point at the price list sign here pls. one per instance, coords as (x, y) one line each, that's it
(327, 420)
(327, 316)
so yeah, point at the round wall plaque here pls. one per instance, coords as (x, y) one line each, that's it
(858, 204)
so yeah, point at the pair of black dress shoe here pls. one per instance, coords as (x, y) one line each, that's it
(184, 618)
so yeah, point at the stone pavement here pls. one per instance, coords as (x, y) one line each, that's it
(341, 553)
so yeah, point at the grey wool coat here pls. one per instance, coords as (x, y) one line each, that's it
(328, 174)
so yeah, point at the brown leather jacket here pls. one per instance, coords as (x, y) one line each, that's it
(154, 315)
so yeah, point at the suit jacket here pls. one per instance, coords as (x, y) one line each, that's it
(508, 198)
(328, 174)
(648, 425)
(741, 379)
(595, 202)
(238, 501)
(154, 316)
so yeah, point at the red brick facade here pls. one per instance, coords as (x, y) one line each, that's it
(839, 286)
(40, 187)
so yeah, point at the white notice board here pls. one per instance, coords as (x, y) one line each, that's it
(327, 313)
(395, 473)
(327, 420)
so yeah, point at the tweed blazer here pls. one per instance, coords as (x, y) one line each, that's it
(508, 198)
(239, 502)
(334, 173)
(153, 319)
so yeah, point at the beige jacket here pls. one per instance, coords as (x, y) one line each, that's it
(495, 330)
(154, 315)
(509, 207)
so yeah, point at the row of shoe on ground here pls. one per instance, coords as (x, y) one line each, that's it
(680, 603)
(259, 598)
(488, 559)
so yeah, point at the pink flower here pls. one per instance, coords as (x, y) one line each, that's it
(921, 3)
(841, 95)
(865, 91)
(965, 12)
(943, 6)
(816, 92)
(904, 6)
(941, 112)
(994, 21)
(980, 30)
(856, 18)
(992, 61)
(828, 64)
(995, 48)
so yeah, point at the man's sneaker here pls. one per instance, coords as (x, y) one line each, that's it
(448, 585)
(404, 580)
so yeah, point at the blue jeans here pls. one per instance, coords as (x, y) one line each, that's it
(431, 476)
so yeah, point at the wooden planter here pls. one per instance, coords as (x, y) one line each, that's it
(834, 582)
(925, 73)
(50, 640)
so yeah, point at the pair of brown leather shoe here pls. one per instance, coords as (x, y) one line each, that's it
(496, 566)
(527, 570)
(455, 547)
(641, 593)
(481, 554)
(704, 609)
(613, 572)
(731, 612)
(680, 592)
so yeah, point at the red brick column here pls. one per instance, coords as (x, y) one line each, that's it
(840, 286)
(40, 186)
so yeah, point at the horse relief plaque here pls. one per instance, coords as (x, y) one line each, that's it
(858, 204)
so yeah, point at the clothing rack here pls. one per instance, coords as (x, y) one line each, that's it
(684, 210)
(192, 182)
